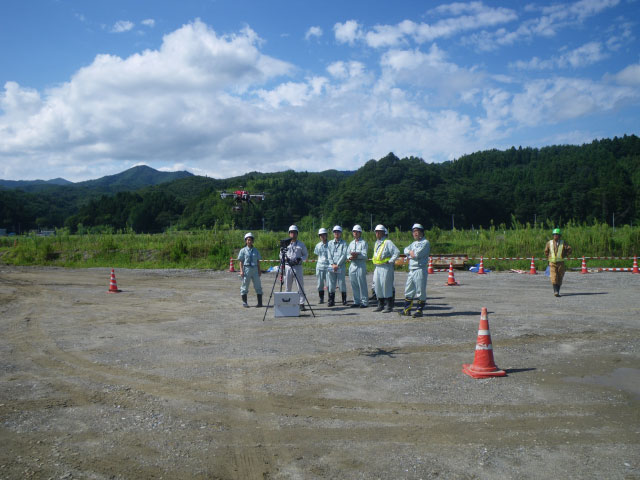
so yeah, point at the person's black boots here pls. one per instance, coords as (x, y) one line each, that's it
(380, 305)
(556, 290)
(244, 301)
(344, 298)
(332, 300)
(259, 301)
(321, 295)
(389, 305)
(406, 308)
(421, 304)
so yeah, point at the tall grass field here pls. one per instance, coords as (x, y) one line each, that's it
(212, 249)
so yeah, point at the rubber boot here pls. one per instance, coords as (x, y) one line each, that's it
(388, 305)
(259, 301)
(380, 305)
(406, 308)
(321, 295)
(556, 290)
(332, 300)
(421, 304)
(244, 301)
(558, 293)
(344, 298)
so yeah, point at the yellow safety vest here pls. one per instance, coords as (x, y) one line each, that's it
(376, 257)
(553, 257)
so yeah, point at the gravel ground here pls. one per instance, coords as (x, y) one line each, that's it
(173, 379)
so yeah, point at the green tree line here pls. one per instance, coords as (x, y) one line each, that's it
(594, 182)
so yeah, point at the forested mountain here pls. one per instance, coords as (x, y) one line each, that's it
(598, 181)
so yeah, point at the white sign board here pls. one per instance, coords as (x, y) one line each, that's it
(287, 304)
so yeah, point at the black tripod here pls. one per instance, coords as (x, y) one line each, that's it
(283, 263)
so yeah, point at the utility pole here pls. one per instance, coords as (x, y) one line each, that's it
(453, 227)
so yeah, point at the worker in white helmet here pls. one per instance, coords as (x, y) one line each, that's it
(416, 286)
(295, 254)
(249, 260)
(385, 254)
(337, 267)
(357, 252)
(322, 264)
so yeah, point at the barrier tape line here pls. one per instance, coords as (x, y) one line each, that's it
(535, 259)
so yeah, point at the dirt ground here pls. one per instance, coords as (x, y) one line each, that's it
(173, 379)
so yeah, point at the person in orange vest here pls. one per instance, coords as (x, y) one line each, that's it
(556, 252)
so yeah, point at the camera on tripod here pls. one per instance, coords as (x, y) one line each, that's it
(284, 244)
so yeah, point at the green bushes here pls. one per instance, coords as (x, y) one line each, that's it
(211, 249)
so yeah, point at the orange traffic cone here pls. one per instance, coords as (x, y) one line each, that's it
(231, 269)
(483, 364)
(430, 267)
(584, 266)
(113, 286)
(481, 269)
(451, 281)
(635, 265)
(532, 269)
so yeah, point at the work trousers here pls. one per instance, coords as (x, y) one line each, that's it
(290, 279)
(358, 279)
(251, 274)
(556, 272)
(416, 286)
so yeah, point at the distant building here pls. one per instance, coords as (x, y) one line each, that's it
(46, 233)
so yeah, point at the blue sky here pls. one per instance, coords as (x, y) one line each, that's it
(220, 88)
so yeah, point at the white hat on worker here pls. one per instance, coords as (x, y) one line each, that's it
(380, 227)
(293, 228)
(337, 228)
(357, 228)
(322, 230)
(417, 225)
(247, 235)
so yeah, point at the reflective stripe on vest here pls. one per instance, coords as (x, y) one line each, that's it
(376, 257)
(553, 258)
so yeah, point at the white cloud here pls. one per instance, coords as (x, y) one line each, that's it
(348, 32)
(629, 76)
(217, 105)
(149, 22)
(122, 26)
(583, 56)
(313, 32)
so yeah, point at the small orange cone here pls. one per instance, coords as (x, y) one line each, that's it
(113, 286)
(584, 266)
(231, 269)
(481, 269)
(430, 267)
(483, 364)
(635, 265)
(451, 281)
(532, 270)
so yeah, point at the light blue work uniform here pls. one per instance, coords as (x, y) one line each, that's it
(416, 286)
(383, 275)
(337, 256)
(358, 271)
(322, 265)
(296, 253)
(250, 258)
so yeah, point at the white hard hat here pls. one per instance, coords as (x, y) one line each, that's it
(247, 235)
(357, 228)
(337, 228)
(293, 228)
(380, 227)
(322, 230)
(417, 225)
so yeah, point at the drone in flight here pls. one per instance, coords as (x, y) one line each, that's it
(242, 196)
